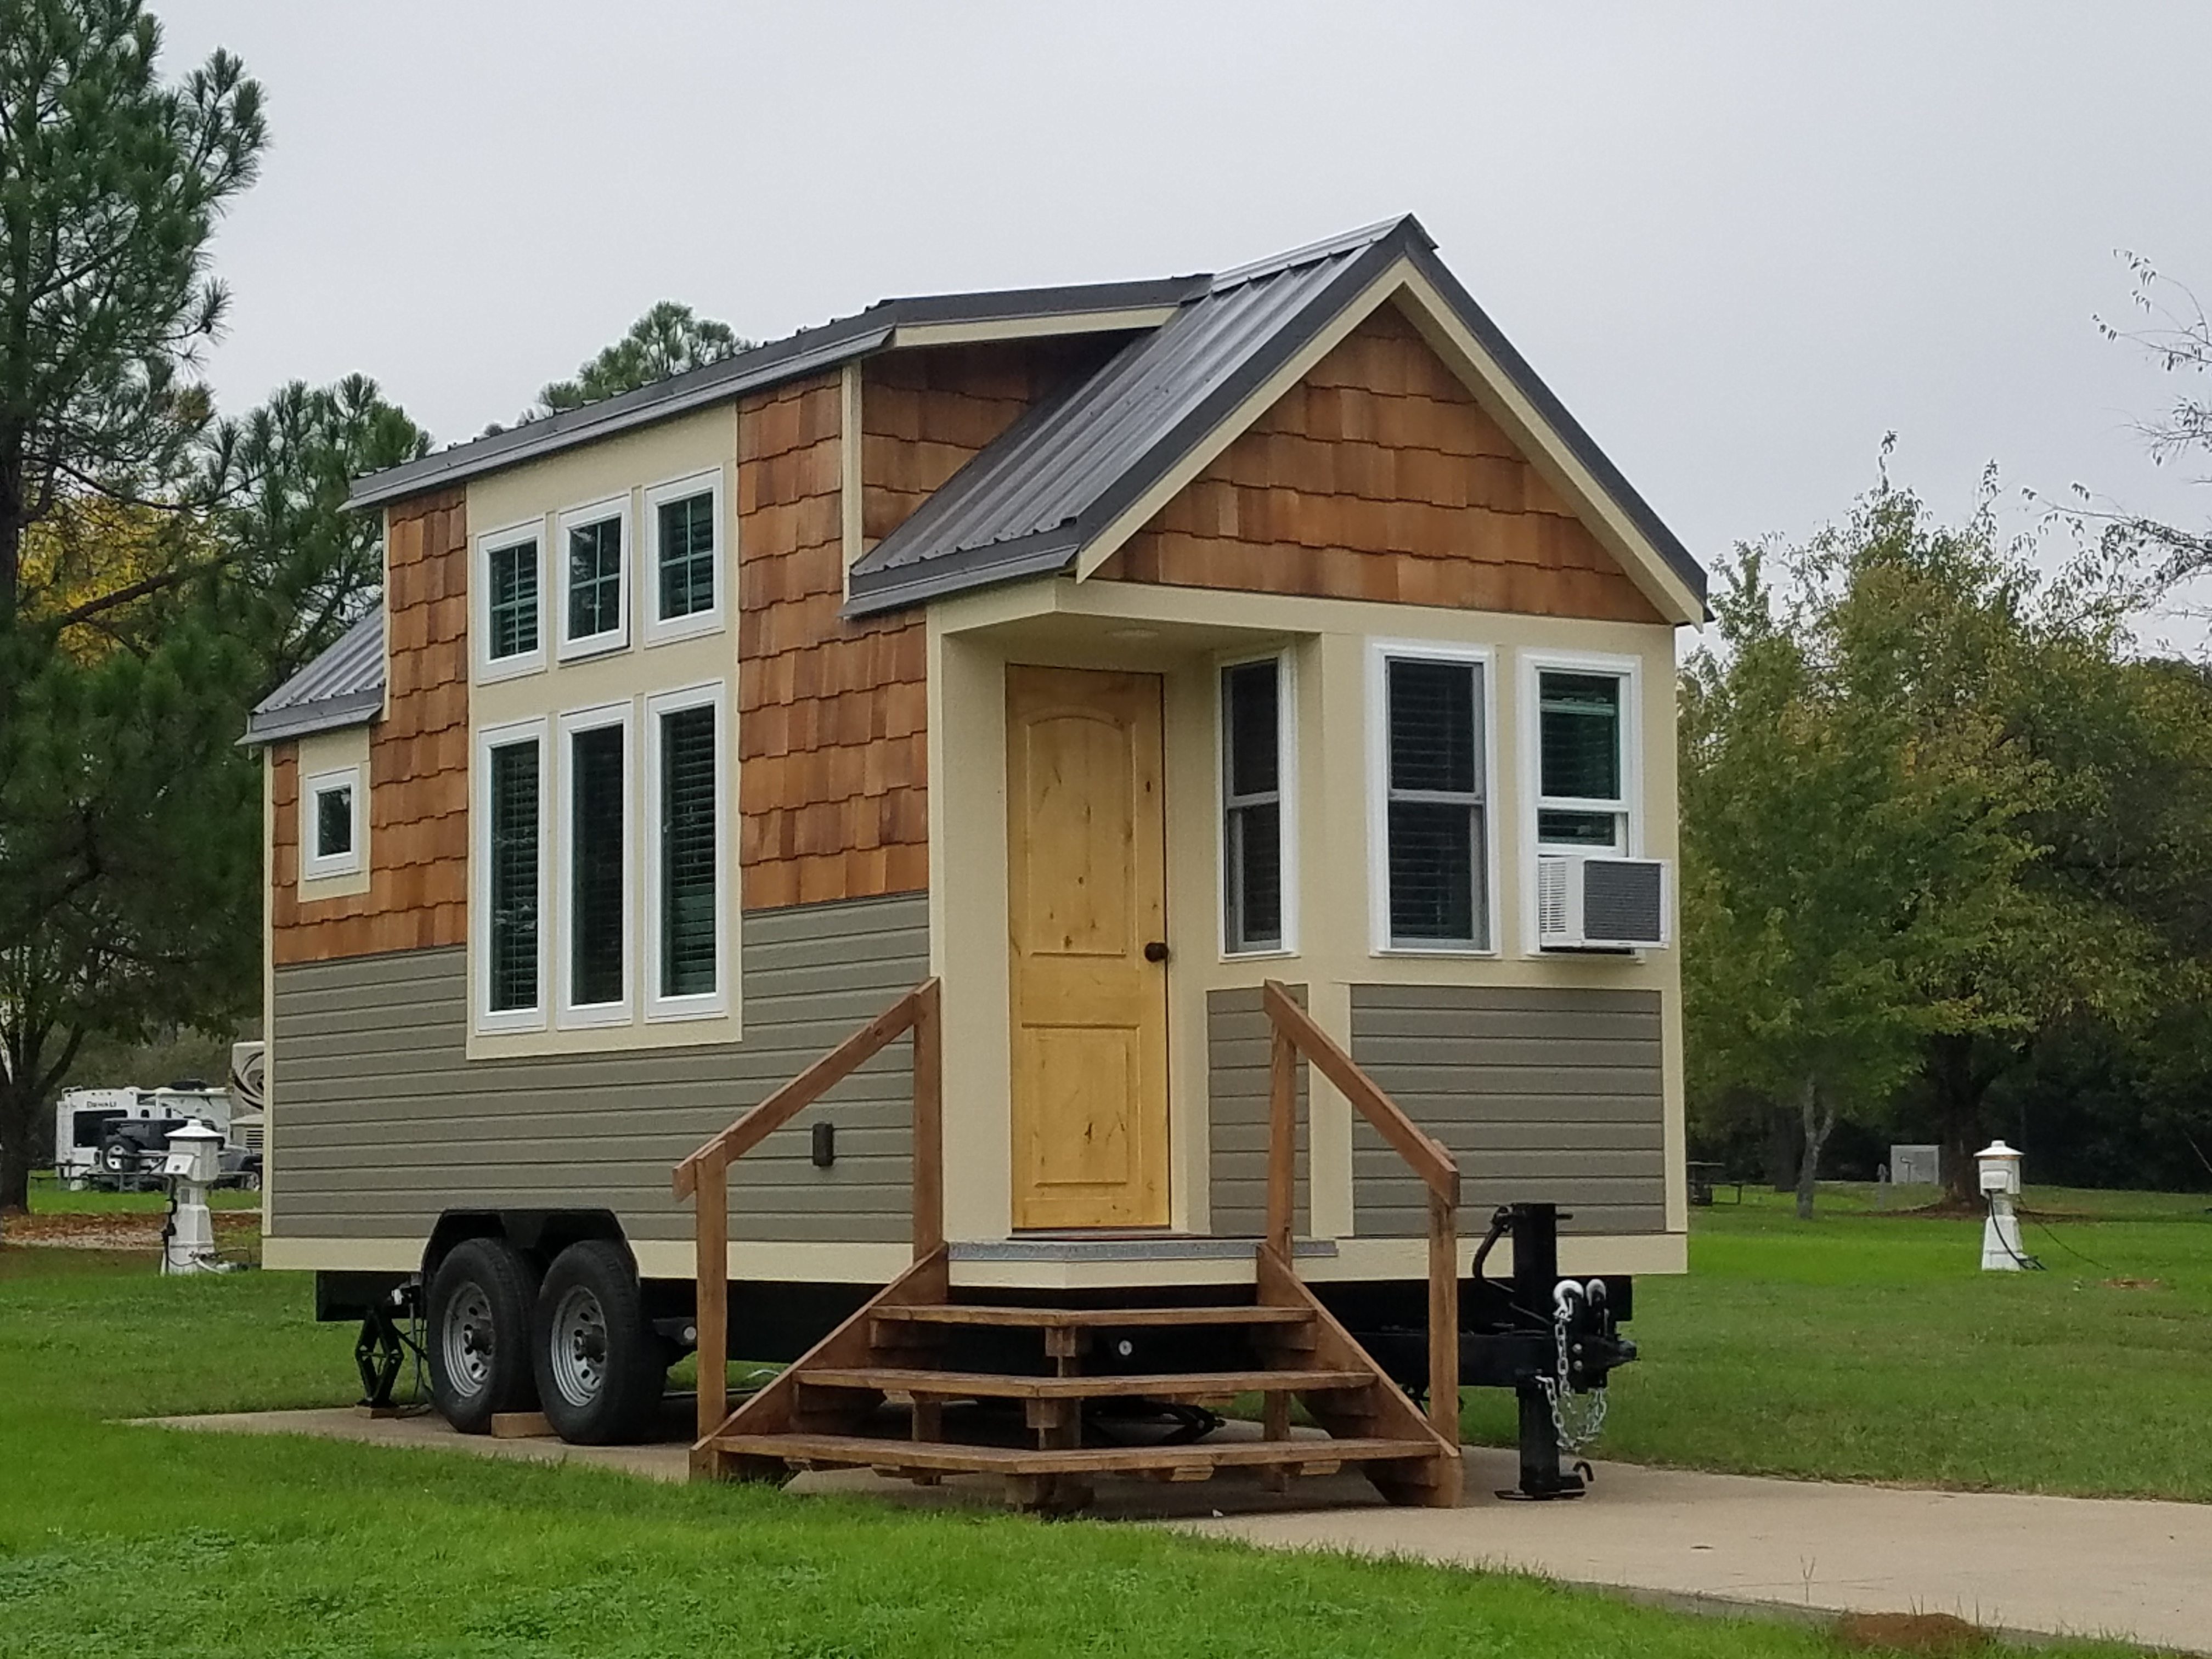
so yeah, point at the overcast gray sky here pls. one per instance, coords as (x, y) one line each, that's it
(1740, 241)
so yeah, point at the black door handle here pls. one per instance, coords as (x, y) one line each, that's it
(1157, 951)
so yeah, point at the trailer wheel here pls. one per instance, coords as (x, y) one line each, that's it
(601, 1366)
(479, 1333)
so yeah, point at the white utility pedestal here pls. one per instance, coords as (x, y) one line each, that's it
(194, 1164)
(2000, 1169)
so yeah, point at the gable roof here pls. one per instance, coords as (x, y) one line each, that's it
(344, 686)
(1057, 481)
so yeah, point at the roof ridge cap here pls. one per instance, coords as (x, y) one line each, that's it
(1327, 247)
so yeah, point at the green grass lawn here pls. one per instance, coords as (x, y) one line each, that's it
(1859, 1347)
(1869, 1346)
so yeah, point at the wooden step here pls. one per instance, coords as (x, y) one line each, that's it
(1092, 1318)
(1173, 1385)
(1305, 1454)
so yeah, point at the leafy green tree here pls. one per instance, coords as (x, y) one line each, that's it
(667, 340)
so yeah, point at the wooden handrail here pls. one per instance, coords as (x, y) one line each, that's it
(1295, 1035)
(703, 1177)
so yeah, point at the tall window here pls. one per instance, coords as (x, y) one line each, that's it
(1581, 797)
(598, 805)
(686, 872)
(1434, 833)
(511, 607)
(593, 579)
(684, 532)
(1252, 877)
(513, 789)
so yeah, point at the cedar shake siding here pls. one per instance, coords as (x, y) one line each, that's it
(832, 750)
(1378, 477)
(418, 789)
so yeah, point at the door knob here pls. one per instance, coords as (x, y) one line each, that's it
(1157, 951)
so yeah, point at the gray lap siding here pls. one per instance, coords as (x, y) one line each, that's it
(1541, 1093)
(379, 1121)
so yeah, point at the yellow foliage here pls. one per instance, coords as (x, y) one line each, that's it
(89, 548)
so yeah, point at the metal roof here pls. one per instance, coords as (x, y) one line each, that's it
(1029, 503)
(344, 686)
(807, 352)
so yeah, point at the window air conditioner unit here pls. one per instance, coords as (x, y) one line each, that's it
(1586, 901)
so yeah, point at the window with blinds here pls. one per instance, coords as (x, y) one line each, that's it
(511, 609)
(1252, 805)
(595, 876)
(1580, 802)
(689, 857)
(595, 580)
(684, 532)
(512, 883)
(1433, 807)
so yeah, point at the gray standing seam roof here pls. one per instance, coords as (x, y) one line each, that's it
(344, 686)
(1029, 503)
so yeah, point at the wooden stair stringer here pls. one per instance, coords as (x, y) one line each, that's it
(780, 1409)
(1432, 1475)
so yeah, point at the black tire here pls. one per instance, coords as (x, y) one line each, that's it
(601, 1368)
(478, 1334)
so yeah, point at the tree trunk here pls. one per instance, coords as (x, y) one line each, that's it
(1958, 1089)
(1819, 1119)
(1785, 1147)
(18, 1109)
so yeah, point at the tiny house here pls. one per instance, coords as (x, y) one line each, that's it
(1212, 739)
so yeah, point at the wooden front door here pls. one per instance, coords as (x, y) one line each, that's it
(1085, 898)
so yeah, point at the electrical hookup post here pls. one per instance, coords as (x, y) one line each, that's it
(193, 1166)
(2000, 1172)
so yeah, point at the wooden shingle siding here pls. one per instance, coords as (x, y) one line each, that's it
(1377, 477)
(925, 414)
(418, 757)
(833, 770)
(380, 1122)
(1238, 1045)
(1542, 1094)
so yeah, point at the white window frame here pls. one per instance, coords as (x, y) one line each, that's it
(1483, 660)
(616, 508)
(658, 1007)
(570, 1016)
(314, 867)
(1286, 789)
(491, 738)
(660, 630)
(1534, 665)
(489, 667)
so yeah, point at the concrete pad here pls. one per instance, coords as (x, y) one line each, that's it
(2132, 1571)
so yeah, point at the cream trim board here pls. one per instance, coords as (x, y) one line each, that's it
(1286, 796)
(483, 1019)
(1139, 513)
(912, 335)
(315, 865)
(617, 508)
(660, 1006)
(490, 668)
(1533, 663)
(1484, 662)
(570, 1015)
(849, 522)
(658, 631)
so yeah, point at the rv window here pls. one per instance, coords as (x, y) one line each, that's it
(512, 868)
(685, 529)
(1580, 795)
(595, 580)
(596, 804)
(511, 613)
(1433, 803)
(689, 860)
(1252, 805)
(90, 1128)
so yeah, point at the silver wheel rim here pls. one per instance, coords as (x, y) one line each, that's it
(579, 1340)
(470, 1339)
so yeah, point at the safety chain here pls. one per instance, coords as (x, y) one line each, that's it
(1577, 1419)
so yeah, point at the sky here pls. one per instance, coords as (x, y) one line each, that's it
(1741, 242)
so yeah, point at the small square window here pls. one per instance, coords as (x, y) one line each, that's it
(687, 555)
(330, 827)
